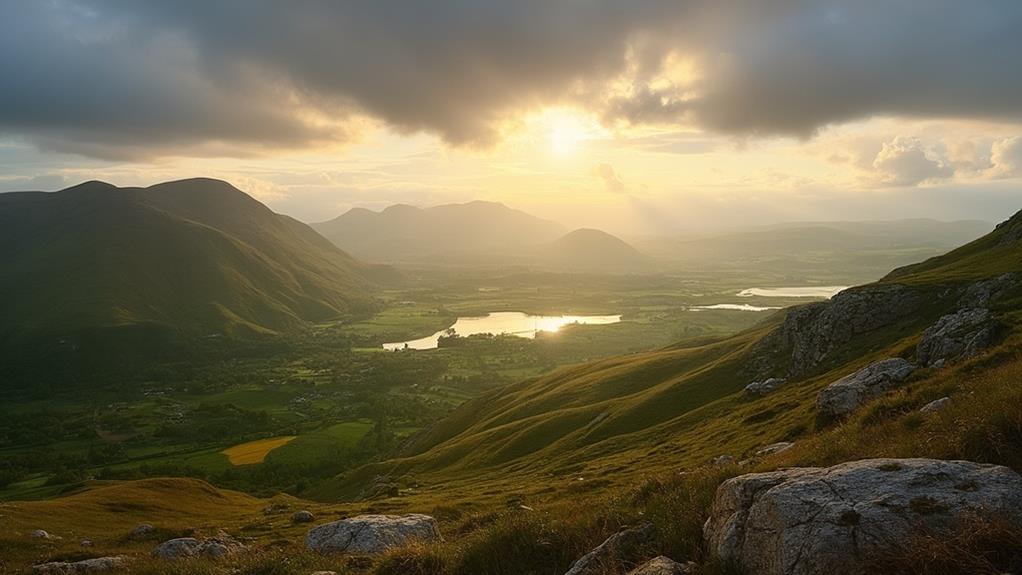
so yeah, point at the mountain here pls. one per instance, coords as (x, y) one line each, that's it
(194, 257)
(594, 250)
(406, 233)
(624, 418)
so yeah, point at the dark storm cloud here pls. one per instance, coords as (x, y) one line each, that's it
(119, 77)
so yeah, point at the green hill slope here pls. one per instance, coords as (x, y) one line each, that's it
(195, 257)
(681, 406)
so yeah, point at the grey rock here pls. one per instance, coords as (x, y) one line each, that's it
(812, 331)
(958, 335)
(825, 521)
(42, 534)
(935, 405)
(722, 460)
(141, 531)
(774, 448)
(85, 543)
(985, 292)
(370, 534)
(614, 547)
(664, 566)
(764, 387)
(97, 565)
(302, 517)
(222, 545)
(852, 391)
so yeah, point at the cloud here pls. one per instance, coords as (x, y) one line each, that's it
(905, 162)
(1006, 157)
(611, 182)
(126, 79)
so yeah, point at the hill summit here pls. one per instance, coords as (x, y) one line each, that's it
(195, 256)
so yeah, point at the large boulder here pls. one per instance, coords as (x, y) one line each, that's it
(97, 565)
(614, 548)
(223, 545)
(368, 534)
(957, 335)
(828, 521)
(852, 391)
(758, 388)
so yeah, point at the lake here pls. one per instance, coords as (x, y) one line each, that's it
(825, 292)
(733, 307)
(505, 322)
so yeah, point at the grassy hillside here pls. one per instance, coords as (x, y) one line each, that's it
(194, 256)
(993, 254)
(620, 418)
(407, 233)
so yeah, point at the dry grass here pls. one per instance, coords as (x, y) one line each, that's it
(255, 451)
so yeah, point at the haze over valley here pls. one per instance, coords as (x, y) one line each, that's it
(522, 288)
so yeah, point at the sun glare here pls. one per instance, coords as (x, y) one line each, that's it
(568, 130)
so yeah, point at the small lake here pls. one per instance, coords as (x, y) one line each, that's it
(825, 292)
(733, 307)
(505, 322)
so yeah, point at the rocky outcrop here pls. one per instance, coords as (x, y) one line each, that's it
(935, 405)
(97, 565)
(986, 292)
(614, 548)
(370, 534)
(962, 334)
(827, 521)
(852, 391)
(222, 545)
(664, 566)
(813, 331)
(758, 388)
(302, 517)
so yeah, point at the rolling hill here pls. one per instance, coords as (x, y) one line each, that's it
(677, 408)
(402, 233)
(592, 250)
(194, 257)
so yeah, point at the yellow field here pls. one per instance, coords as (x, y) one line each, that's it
(255, 451)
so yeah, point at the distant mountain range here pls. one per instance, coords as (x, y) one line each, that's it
(194, 256)
(402, 233)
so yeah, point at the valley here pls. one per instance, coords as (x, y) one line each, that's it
(583, 402)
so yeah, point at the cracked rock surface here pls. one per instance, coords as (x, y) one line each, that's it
(369, 534)
(816, 521)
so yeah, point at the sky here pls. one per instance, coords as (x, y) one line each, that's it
(648, 116)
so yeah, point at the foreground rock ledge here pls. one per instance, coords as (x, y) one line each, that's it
(816, 521)
(370, 534)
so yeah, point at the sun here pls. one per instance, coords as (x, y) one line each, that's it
(567, 130)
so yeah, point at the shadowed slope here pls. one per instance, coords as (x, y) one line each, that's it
(194, 256)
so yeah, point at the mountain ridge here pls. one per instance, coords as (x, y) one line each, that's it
(194, 255)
